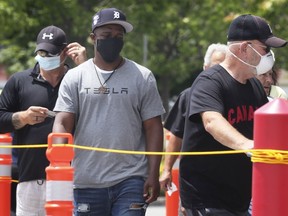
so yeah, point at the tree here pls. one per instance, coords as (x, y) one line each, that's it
(23, 19)
(174, 34)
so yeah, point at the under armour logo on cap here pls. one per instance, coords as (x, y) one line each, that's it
(51, 39)
(110, 16)
(50, 36)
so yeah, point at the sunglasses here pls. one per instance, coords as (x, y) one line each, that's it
(43, 53)
(266, 48)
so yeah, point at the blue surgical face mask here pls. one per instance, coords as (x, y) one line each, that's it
(48, 63)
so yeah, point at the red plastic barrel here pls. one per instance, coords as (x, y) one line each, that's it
(270, 181)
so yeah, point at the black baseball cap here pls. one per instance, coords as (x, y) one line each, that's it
(250, 27)
(110, 16)
(51, 39)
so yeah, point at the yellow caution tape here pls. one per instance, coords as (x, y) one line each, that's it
(257, 155)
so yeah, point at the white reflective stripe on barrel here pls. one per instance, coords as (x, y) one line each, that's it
(176, 164)
(59, 190)
(5, 170)
(5, 151)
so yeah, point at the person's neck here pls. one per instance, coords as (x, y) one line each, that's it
(108, 66)
(54, 76)
(238, 71)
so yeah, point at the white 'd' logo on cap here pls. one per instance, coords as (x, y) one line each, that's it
(95, 19)
(50, 36)
(116, 15)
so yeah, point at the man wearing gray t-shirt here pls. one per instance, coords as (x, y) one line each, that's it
(112, 102)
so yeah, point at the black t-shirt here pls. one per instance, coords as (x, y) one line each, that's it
(218, 180)
(22, 90)
(175, 120)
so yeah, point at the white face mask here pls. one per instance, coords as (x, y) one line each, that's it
(48, 63)
(265, 64)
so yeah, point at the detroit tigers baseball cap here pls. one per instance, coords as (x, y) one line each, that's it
(51, 39)
(250, 27)
(111, 16)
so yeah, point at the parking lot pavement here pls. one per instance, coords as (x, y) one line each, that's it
(157, 208)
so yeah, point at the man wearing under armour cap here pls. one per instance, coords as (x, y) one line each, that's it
(116, 106)
(51, 39)
(220, 116)
(25, 109)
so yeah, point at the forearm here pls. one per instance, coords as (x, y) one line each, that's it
(19, 120)
(6, 125)
(225, 133)
(154, 143)
(12, 121)
(60, 128)
(33, 115)
(174, 145)
(154, 160)
(64, 123)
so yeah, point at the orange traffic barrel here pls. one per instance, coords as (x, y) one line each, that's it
(5, 174)
(172, 200)
(59, 176)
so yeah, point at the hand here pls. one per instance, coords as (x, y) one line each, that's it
(76, 52)
(183, 211)
(151, 189)
(249, 145)
(165, 179)
(33, 115)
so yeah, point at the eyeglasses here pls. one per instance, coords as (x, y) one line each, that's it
(44, 53)
(266, 48)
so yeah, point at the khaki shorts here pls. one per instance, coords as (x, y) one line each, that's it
(31, 198)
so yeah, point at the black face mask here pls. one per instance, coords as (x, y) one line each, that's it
(109, 48)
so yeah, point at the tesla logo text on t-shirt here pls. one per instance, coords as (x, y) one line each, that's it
(241, 114)
(107, 91)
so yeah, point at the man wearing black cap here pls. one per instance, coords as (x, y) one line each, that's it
(114, 104)
(25, 105)
(220, 118)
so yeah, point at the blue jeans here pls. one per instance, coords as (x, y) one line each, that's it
(123, 199)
